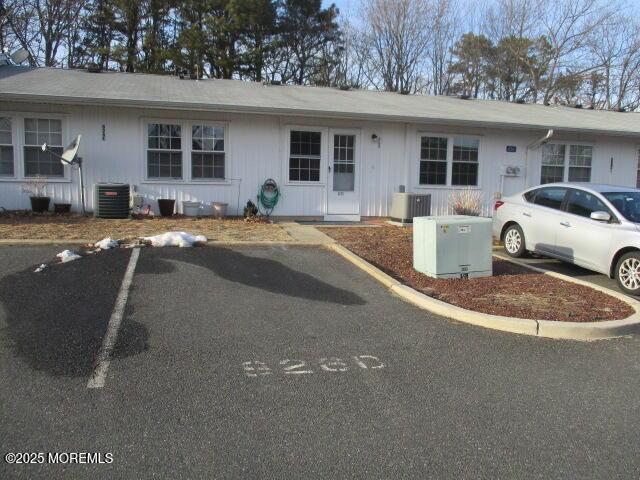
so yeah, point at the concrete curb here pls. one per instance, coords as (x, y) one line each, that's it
(541, 328)
(210, 242)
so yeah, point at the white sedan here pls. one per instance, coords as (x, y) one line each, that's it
(594, 226)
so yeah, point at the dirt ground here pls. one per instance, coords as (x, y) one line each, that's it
(512, 291)
(73, 227)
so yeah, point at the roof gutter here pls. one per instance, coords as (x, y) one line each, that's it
(208, 107)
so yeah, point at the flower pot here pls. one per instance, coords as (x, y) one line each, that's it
(61, 208)
(219, 209)
(191, 209)
(166, 207)
(40, 204)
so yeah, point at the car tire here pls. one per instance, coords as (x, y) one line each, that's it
(628, 273)
(514, 241)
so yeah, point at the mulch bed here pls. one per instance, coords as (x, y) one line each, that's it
(512, 291)
(16, 226)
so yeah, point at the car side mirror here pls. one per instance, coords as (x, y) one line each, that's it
(600, 216)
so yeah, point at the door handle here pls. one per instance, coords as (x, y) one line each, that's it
(565, 224)
(526, 214)
(329, 167)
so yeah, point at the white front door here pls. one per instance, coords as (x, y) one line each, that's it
(343, 192)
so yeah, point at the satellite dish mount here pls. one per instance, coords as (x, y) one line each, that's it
(70, 157)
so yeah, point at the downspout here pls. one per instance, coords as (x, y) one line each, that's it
(532, 146)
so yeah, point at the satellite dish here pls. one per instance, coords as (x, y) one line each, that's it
(71, 151)
(19, 56)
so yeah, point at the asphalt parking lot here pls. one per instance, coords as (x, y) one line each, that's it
(553, 265)
(290, 363)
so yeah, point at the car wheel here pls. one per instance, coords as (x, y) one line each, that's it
(628, 273)
(514, 241)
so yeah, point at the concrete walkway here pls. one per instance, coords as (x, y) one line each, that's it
(306, 234)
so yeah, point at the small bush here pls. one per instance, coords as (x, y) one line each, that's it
(466, 202)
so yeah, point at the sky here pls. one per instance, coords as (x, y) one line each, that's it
(633, 6)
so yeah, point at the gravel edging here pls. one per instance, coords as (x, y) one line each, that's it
(541, 328)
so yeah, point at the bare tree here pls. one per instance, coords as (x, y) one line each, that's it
(616, 47)
(397, 34)
(445, 31)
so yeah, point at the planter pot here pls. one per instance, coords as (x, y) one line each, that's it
(166, 207)
(61, 208)
(40, 204)
(219, 209)
(191, 209)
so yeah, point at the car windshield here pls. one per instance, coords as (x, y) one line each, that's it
(627, 203)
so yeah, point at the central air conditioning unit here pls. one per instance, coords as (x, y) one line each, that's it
(455, 246)
(111, 200)
(406, 206)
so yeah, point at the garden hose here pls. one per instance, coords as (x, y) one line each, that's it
(268, 196)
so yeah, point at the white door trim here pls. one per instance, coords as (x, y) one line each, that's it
(344, 217)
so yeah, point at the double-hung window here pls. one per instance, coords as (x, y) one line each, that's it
(449, 160)
(6, 148)
(580, 163)
(564, 162)
(207, 152)
(164, 151)
(465, 161)
(38, 131)
(433, 160)
(304, 155)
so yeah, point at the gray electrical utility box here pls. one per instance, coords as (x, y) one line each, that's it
(454, 246)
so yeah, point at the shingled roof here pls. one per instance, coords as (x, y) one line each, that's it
(66, 86)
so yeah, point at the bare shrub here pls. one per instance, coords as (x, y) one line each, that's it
(466, 202)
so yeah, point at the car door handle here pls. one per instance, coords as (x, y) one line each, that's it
(526, 214)
(565, 224)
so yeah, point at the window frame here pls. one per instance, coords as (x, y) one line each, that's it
(186, 125)
(450, 139)
(604, 201)
(13, 147)
(563, 203)
(37, 118)
(324, 139)
(567, 158)
(225, 138)
(18, 132)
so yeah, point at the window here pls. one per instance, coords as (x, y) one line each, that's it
(638, 169)
(627, 203)
(529, 196)
(36, 162)
(344, 163)
(550, 197)
(304, 156)
(552, 163)
(207, 152)
(556, 167)
(6, 147)
(584, 204)
(580, 163)
(433, 160)
(465, 161)
(164, 151)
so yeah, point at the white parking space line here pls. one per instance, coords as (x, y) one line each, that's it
(99, 374)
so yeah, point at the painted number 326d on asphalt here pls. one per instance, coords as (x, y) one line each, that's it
(255, 368)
